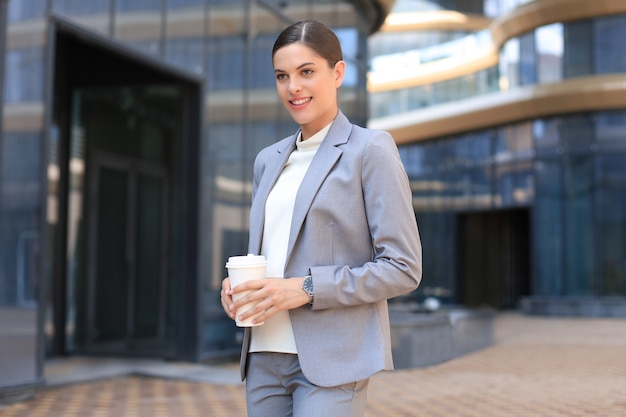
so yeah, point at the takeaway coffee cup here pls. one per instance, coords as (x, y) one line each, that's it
(240, 270)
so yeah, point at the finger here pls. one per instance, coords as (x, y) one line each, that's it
(266, 315)
(226, 286)
(227, 305)
(254, 285)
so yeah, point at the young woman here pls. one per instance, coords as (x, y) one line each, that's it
(332, 213)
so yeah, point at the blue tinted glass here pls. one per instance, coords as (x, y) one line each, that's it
(260, 69)
(25, 9)
(611, 130)
(546, 133)
(549, 46)
(609, 34)
(610, 223)
(577, 133)
(578, 222)
(509, 64)
(528, 60)
(135, 5)
(81, 6)
(577, 49)
(349, 39)
(186, 53)
(174, 4)
(548, 228)
(24, 75)
(19, 216)
(226, 63)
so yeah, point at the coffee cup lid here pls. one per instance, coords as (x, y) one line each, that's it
(245, 260)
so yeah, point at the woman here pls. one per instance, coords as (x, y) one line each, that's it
(332, 214)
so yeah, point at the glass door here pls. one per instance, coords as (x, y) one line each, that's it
(127, 249)
(120, 287)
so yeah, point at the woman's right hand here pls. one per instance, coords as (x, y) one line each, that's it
(227, 299)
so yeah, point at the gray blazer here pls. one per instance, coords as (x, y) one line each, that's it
(354, 231)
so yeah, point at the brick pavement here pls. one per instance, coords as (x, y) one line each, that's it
(538, 367)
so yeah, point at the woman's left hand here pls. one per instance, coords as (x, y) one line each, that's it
(273, 295)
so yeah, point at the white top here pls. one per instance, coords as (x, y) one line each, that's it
(276, 335)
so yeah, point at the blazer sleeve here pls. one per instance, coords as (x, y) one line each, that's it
(395, 267)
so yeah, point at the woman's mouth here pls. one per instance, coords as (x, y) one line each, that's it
(300, 101)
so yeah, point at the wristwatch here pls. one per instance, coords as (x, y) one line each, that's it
(307, 287)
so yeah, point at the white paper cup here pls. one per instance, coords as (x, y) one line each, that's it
(240, 270)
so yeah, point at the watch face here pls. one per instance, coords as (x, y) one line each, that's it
(307, 285)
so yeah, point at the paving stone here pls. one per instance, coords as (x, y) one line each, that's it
(537, 367)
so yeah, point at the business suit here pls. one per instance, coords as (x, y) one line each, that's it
(354, 231)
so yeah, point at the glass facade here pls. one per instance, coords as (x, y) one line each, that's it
(564, 50)
(408, 54)
(567, 170)
(106, 131)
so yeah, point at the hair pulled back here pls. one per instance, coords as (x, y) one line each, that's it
(316, 35)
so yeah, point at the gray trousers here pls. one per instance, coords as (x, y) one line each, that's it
(276, 387)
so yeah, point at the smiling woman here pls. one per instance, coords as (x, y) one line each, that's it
(332, 214)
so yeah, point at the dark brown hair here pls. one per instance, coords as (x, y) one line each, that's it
(316, 35)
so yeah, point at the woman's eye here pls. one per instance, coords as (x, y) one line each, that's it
(280, 76)
(307, 72)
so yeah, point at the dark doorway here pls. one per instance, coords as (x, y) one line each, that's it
(127, 138)
(493, 258)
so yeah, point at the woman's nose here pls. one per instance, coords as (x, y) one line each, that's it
(294, 87)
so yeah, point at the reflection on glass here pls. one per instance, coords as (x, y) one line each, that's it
(610, 222)
(549, 46)
(24, 75)
(139, 24)
(25, 10)
(509, 64)
(186, 25)
(578, 49)
(609, 46)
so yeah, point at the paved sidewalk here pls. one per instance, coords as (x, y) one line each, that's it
(538, 367)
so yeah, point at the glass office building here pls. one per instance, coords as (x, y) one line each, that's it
(512, 128)
(128, 136)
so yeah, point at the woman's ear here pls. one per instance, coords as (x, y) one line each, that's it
(340, 71)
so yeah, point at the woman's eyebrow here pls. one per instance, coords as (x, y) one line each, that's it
(299, 66)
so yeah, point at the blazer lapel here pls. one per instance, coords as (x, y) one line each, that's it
(273, 167)
(323, 162)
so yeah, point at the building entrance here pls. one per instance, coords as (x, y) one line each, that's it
(493, 258)
(126, 133)
(125, 247)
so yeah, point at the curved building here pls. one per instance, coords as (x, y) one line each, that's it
(128, 134)
(512, 126)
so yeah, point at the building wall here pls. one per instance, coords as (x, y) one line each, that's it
(226, 44)
(544, 132)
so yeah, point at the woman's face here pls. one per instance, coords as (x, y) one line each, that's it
(307, 86)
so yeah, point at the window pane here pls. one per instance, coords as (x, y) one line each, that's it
(548, 228)
(577, 49)
(610, 48)
(611, 130)
(549, 45)
(509, 64)
(578, 236)
(610, 226)
(80, 7)
(577, 133)
(546, 133)
(19, 216)
(25, 9)
(528, 60)
(138, 23)
(24, 75)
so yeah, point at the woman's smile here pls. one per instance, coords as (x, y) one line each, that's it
(300, 101)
